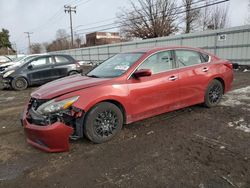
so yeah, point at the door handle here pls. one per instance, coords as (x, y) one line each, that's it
(205, 69)
(173, 78)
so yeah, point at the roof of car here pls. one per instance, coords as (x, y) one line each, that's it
(59, 54)
(155, 49)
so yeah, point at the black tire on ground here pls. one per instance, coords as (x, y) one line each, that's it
(103, 122)
(213, 93)
(19, 83)
(73, 72)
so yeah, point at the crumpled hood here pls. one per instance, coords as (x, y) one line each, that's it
(7, 64)
(9, 68)
(66, 85)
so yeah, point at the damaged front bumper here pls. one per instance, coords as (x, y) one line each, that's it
(51, 135)
(4, 82)
(51, 138)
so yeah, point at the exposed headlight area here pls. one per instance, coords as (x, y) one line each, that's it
(8, 73)
(53, 106)
(47, 112)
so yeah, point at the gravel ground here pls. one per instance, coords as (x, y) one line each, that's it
(192, 147)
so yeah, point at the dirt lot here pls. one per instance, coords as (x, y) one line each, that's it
(193, 147)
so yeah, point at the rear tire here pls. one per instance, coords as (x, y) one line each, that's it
(103, 122)
(73, 72)
(213, 94)
(19, 84)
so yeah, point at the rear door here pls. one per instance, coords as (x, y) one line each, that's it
(157, 93)
(194, 73)
(40, 70)
(63, 64)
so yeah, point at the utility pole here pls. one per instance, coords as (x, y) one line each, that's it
(28, 35)
(69, 9)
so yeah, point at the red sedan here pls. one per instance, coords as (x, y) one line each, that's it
(125, 88)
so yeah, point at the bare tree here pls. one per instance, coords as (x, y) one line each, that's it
(191, 16)
(248, 20)
(149, 19)
(61, 34)
(78, 41)
(36, 48)
(248, 17)
(218, 18)
(213, 17)
(61, 43)
(205, 17)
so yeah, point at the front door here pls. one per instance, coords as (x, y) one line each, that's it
(40, 70)
(157, 93)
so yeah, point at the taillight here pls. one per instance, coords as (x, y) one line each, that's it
(229, 64)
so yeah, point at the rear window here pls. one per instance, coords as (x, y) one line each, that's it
(187, 58)
(61, 59)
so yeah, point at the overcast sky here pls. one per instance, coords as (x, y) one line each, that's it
(45, 17)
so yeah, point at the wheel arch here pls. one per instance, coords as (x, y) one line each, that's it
(115, 102)
(21, 76)
(221, 81)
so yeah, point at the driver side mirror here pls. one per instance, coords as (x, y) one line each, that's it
(142, 73)
(30, 67)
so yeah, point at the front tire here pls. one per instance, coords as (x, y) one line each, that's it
(213, 94)
(19, 83)
(103, 122)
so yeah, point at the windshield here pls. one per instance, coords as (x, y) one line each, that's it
(18, 59)
(115, 66)
(23, 60)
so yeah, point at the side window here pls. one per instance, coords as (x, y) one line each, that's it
(187, 58)
(61, 59)
(159, 62)
(41, 62)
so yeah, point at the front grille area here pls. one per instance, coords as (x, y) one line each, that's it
(33, 117)
(35, 103)
(3, 68)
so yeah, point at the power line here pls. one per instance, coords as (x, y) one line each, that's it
(84, 2)
(72, 2)
(93, 23)
(57, 14)
(51, 19)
